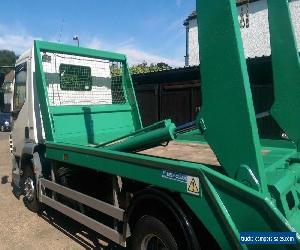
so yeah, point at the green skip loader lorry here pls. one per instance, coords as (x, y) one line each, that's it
(79, 146)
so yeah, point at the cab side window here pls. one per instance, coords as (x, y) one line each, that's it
(20, 86)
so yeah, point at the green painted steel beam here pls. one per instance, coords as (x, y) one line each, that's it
(89, 126)
(79, 51)
(286, 70)
(43, 93)
(227, 117)
(131, 98)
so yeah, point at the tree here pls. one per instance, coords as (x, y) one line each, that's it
(7, 58)
(141, 68)
(145, 68)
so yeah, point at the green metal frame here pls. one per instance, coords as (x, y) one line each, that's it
(286, 70)
(224, 205)
(227, 115)
(51, 112)
(259, 176)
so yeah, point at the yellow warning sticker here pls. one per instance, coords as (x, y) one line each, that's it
(192, 185)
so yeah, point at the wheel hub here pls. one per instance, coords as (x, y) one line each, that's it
(153, 242)
(29, 189)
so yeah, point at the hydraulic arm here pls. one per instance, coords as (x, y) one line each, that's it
(227, 115)
(286, 70)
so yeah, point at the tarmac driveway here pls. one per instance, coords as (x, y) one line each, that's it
(22, 229)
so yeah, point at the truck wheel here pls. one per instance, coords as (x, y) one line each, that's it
(151, 233)
(30, 191)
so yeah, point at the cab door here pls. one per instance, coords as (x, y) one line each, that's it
(20, 108)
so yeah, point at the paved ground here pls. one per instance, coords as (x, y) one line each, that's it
(22, 229)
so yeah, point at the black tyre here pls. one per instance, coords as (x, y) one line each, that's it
(30, 191)
(151, 233)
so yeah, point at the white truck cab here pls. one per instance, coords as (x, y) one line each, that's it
(23, 108)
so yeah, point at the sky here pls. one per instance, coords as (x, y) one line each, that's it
(145, 30)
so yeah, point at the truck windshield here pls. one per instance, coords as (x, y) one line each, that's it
(20, 86)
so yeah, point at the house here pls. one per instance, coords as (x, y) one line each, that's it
(6, 92)
(256, 37)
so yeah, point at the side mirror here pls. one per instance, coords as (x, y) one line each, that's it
(2, 77)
